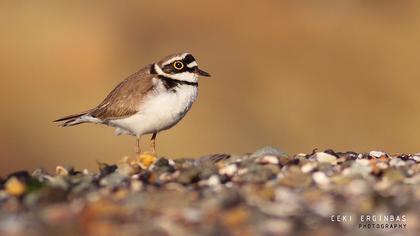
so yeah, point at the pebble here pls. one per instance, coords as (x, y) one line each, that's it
(308, 167)
(214, 181)
(377, 154)
(268, 151)
(325, 157)
(267, 160)
(229, 170)
(360, 167)
(397, 162)
(320, 178)
(15, 187)
(145, 160)
(62, 171)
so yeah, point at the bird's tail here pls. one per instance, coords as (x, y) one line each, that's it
(76, 119)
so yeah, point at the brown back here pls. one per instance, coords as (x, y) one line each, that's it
(124, 100)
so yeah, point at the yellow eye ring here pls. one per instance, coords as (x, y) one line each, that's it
(178, 65)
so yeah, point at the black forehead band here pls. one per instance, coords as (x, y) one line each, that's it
(188, 59)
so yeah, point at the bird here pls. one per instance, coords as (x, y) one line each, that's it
(153, 99)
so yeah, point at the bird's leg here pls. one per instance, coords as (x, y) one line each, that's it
(152, 144)
(146, 159)
(138, 150)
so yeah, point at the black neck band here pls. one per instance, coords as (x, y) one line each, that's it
(152, 69)
(171, 81)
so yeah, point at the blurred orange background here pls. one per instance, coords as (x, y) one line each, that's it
(298, 76)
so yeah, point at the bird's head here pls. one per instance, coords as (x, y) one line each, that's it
(179, 66)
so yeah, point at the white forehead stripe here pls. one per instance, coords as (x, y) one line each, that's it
(192, 64)
(172, 60)
(177, 58)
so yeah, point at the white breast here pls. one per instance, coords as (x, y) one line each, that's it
(160, 110)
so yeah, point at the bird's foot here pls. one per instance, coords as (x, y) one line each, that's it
(146, 159)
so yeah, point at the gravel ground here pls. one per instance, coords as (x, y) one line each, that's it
(261, 193)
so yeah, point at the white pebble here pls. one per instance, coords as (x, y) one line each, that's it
(320, 178)
(397, 162)
(228, 170)
(325, 157)
(416, 158)
(308, 167)
(267, 160)
(377, 154)
(213, 181)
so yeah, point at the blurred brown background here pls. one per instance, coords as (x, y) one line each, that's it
(325, 74)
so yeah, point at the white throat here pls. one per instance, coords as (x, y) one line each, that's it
(184, 76)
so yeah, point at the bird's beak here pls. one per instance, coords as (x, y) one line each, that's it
(201, 72)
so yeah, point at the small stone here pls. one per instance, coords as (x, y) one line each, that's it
(331, 152)
(308, 167)
(14, 187)
(40, 174)
(229, 170)
(163, 165)
(360, 167)
(61, 171)
(349, 155)
(106, 169)
(161, 162)
(145, 160)
(320, 178)
(190, 175)
(268, 159)
(267, 151)
(377, 154)
(397, 162)
(325, 157)
(213, 181)
(416, 158)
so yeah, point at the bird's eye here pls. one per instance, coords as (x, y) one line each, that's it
(178, 65)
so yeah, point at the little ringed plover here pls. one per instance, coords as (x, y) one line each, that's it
(153, 99)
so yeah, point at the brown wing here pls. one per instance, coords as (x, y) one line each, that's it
(125, 99)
